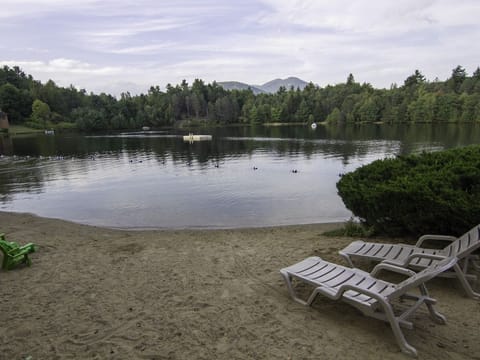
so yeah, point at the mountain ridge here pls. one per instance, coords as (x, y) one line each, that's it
(237, 85)
(269, 87)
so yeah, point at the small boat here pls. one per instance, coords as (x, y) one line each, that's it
(192, 138)
(146, 128)
(50, 132)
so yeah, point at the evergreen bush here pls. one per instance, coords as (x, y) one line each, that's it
(436, 192)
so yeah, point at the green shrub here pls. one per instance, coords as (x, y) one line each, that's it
(417, 194)
(351, 228)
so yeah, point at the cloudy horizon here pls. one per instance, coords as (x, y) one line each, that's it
(119, 46)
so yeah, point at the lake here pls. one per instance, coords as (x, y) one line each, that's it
(243, 177)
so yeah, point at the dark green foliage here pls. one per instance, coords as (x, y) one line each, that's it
(417, 194)
(15, 102)
(418, 100)
(415, 79)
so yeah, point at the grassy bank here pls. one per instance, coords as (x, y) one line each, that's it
(20, 129)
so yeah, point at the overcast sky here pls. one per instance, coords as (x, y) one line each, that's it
(128, 45)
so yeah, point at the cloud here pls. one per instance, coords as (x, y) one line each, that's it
(184, 22)
(62, 65)
(103, 45)
(371, 16)
(117, 33)
(13, 9)
(66, 72)
(143, 49)
(383, 41)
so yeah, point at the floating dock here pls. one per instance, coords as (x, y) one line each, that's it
(192, 138)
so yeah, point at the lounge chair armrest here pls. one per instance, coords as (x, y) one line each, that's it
(30, 247)
(338, 294)
(360, 290)
(409, 259)
(424, 238)
(422, 256)
(393, 268)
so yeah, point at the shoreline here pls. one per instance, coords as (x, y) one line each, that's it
(206, 228)
(104, 293)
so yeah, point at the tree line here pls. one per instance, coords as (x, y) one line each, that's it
(28, 101)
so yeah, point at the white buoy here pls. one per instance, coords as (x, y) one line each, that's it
(314, 126)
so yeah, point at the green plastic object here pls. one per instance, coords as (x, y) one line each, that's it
(14, 254)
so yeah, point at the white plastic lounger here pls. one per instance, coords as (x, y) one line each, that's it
(372, 296)
(412, 255)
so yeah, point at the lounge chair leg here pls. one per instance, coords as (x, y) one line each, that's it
(27, 261)
(429, 303)
(347, 259)
(476, 265)
(436, 316)
(291, 291)
(397, 331)
(466, 285)
(313, 296)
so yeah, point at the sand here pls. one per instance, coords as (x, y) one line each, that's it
(97, 293)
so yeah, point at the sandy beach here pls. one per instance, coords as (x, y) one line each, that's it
(98, 293)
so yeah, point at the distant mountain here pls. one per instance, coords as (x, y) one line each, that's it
(236, 85)
(274, 85)
(269, 87)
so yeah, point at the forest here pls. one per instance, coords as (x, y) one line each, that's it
(46, 105)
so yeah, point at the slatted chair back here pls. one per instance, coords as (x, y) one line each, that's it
(436, 268)
(465, 244)
(6, 249)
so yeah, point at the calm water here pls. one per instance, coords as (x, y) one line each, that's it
(243, 177)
